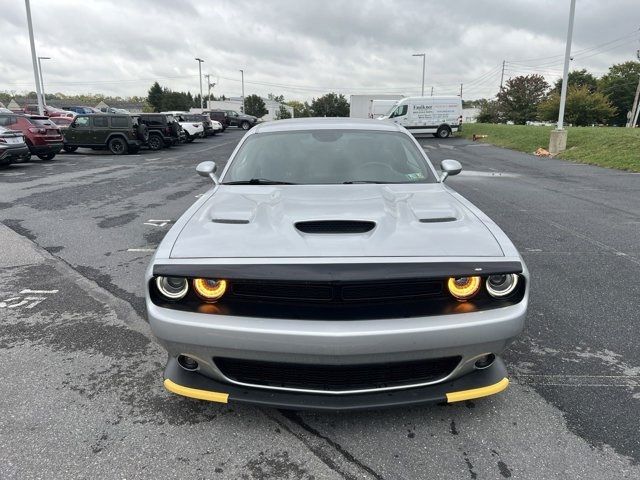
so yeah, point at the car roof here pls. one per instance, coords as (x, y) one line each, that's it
(338, 123)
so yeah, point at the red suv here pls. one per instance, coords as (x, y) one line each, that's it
(41, 135)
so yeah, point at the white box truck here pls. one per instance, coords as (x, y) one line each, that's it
(440, 116)
(379, 108)
(360, 105)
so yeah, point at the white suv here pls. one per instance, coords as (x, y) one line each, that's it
(192, 130)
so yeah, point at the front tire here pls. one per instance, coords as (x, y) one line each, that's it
(47, 156)
(188, 138)
(117, 146)
(443, 132)
(245, 125)
(70, 148)
(155, 142)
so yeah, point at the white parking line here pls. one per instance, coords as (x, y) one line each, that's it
(26, 290)
(157, 223)
(141, 249)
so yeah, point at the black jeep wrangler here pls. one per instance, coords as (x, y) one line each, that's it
(164, 129)
(117, 133)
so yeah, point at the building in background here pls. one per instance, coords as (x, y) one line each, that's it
(360, 105)
(470, 115)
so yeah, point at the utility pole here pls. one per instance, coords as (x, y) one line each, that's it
(502, 76)
(635, 108)
(200, 62)
(207, 76)
(34, 58)
(460, 91)
(424, 60)
(558, 139)
(44, 96)
(432, 90)
(242, 73)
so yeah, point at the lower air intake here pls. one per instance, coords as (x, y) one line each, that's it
(336, 378)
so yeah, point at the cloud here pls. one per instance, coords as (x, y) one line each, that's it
(302, 49)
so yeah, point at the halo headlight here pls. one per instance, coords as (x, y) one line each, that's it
(463, 288)
(173, 288)
(500, 286)
(209, 290)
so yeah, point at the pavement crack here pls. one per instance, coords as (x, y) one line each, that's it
(318, 443)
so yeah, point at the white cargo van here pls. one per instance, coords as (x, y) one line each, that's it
(440, 116)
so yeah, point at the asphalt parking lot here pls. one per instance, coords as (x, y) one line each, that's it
(82, 394)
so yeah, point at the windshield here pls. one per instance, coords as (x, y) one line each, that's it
(393, 107)
(329, 157)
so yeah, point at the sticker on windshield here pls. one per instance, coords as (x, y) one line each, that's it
(415, 176)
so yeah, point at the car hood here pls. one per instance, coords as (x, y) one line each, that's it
(260, 221)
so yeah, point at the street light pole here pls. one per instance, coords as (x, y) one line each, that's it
(558, 140)
(200, 62)
(34, 58)
(242, 73)
(44, 96)
(424, 60)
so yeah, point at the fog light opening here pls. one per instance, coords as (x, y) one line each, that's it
(187, 363)
(485, 361)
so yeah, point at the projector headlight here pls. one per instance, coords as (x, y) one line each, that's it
(209, 290)
(463, 288)
(173, 288)
(500, 286)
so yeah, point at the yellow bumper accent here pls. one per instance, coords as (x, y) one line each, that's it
(478, 392)
(195, 393)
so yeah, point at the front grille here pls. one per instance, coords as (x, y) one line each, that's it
(336, 378)
(283, 291)
(334, 292)
(335, 226)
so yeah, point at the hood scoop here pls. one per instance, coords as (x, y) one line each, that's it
(438, 219)
(230, 221)
(333, 227)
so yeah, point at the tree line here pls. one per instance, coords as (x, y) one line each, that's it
(590, 100)
(332, 104)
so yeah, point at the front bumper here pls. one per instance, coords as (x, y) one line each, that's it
(203, 336)
(477, 384)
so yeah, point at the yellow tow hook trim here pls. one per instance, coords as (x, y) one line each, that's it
(196, 393)
(478, 392)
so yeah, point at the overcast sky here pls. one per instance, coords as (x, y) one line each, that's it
(302, 49)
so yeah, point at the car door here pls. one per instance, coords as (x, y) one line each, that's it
(79, 132)
(100, 129)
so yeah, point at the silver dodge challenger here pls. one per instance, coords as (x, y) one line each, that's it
(329, 267)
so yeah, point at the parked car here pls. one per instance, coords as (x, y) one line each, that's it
(164, 129)
(115, 110)
(33, 109)
(119, 134)
(240, 120)
(219, 116)
(192, 129)
(440, 116)
(42, 136)
(269, 291)
(211, 127)
(5, 110)
(62, 122)
(13, 148)
(82, 110)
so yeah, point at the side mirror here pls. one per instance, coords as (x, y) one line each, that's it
(208, 169)
(449, 167)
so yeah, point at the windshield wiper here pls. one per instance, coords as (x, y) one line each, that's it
(258, 181)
